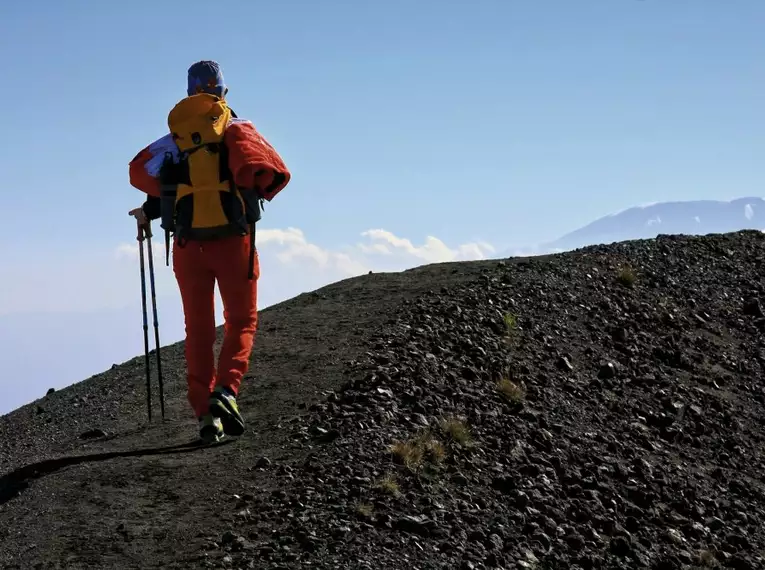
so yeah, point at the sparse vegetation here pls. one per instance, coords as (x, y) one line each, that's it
(706, 559)
(434, 450)
(365, 510)
(511, 322)
(407, 453)
(389, 486)
(511, 391)
(626, 276)
(457, 430)
(411, 453)
(511, 327)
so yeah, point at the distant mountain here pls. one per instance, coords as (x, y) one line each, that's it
(694, 217)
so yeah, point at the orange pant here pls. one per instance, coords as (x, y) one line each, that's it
(197, 266)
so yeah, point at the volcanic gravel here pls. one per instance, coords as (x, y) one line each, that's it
(600, 409)
(594, 409)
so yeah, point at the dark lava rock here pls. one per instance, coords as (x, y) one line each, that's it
(607, 371)
(93, 434)
(263, 462)
(415, 525)
(620, 546)
(753, 308)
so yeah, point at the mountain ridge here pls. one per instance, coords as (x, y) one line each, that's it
(676, 217)
(691, 217)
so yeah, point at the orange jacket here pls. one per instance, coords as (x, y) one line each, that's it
(253, 162)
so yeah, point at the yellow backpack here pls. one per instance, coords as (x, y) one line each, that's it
(198, 196)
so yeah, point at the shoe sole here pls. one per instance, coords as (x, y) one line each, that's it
(233, 423)
(212, 440)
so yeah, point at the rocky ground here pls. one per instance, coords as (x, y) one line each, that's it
(595, 409)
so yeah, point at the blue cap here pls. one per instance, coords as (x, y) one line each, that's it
(206, 77)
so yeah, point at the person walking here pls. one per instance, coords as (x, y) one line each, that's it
(251, 171)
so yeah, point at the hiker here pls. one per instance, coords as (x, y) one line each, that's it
(220, 169)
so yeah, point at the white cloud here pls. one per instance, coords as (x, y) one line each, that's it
(432, 251)
(291, 247)
(104, 279)
(296, 248)
(291, 264)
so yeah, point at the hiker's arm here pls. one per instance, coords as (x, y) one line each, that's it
(254, 163)
(151, 208)
(140, 177)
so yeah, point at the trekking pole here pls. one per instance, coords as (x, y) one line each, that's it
(156, 321)
(145, 320)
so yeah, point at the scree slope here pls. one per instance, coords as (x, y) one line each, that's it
(601, 408)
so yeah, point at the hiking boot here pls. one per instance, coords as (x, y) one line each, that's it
(210, 429)
(223, 405)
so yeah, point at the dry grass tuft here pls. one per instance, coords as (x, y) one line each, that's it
(627, 276)
(415, 451)
(407, 453)
(457, 430)
(706, 559)
(511, 391)
(389, 486)
(365, 510)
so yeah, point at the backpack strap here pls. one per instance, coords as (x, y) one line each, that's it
(251, 270)
(167, 247)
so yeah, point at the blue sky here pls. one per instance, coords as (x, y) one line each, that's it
(499, 122)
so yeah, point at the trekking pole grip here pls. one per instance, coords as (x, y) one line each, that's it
(143, 230)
